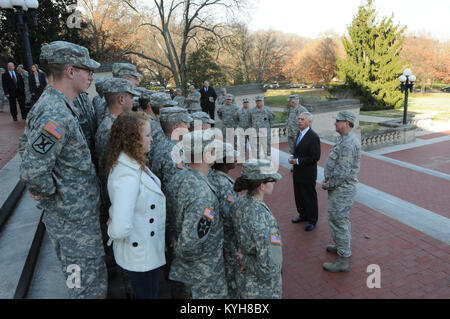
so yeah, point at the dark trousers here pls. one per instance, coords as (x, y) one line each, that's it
(13, 106)
(210, 110)
(306, 201)
(145, 284)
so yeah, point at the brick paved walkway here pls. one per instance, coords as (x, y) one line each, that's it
(10, 132)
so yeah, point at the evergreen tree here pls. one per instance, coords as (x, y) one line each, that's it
(202, 66)
(373, 63)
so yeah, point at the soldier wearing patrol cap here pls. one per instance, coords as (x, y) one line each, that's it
(257, 233)
(261, 118)
(198, 250)
(125, 71)
(223, 182)
(341, 177)
(53, 145)
(179, 98)
(193, 100)
(292, 121)
(206, 121)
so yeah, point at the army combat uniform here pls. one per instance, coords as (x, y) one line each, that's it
(292, 123)
(258, 237)
(192, 102)
(56, 164)
(261, 119)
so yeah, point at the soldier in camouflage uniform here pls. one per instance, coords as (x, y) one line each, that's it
(87, 120)
(198, 250)
(158, 101)
(206, 121)
(261, 118)
(228, 113)
(98, 101)
(125, 71)
(24, 73)
(219, 178)
(244, 122)
(2, 93)
(292, 121)
(180, 99)
(341, 177)
(193, 100)
(53, 145)
(257, 233)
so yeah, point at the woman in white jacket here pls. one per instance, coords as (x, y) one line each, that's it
(138, 206)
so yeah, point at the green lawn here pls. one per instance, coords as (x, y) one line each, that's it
(280, 117)
(278, 98)
(435, 104)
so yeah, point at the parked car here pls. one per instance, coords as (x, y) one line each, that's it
(274, 85)
(446, 89)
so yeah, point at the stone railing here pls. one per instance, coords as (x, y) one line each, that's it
(388, 137)
(279, 131)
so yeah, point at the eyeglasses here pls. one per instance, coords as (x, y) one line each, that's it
(91, 73)
(270, 181)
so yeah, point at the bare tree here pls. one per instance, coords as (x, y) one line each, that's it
(174, 25)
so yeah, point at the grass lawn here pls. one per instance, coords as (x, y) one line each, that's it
(280, 117)
(368, 127)
(435, 104)
(278, 98)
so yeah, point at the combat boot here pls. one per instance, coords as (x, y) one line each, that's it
(339, 265)
(332, 249)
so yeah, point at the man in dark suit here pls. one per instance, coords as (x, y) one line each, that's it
(305, 158)
(208, 99)
(14, 89)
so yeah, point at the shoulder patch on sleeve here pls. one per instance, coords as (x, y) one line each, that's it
(230, 198)
(54, 129)
(275, 239)
(43, 144)
(209, 213)
(180, 166)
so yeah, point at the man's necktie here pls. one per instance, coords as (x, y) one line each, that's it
(14, 78)
(299, 138)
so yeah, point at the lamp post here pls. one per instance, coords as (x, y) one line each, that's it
(20, 13)
(407, 83)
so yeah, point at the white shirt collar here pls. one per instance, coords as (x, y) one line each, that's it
(305, 131)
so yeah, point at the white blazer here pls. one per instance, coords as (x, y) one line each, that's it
(138, 216)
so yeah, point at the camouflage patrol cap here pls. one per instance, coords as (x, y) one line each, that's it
(99, 85)
(20, 66)
(197, 142)
(178, 90)
(118, 85)
(293, 97)
(191, 87)
(145, 94)
(345, 116)
(259, 98)
(223, 90)
(229, 96)
(174, 114)
(119, 69)
(62, 52)
(258, 169)
(245, 100)
(159, 99)
(204, 117)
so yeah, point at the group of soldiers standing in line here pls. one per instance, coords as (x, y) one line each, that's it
(219, 244)
(63, 157)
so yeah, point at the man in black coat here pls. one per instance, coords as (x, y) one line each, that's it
(14, 89)
(305, 158)
(208, 99)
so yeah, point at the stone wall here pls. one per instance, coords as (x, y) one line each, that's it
(387, 137)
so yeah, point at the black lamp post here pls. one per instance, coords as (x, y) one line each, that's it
(20, 13)
(407, 83)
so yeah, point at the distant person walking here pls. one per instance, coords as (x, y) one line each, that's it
(14, 89)
(37, 83)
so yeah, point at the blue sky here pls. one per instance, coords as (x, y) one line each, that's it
(308, 18)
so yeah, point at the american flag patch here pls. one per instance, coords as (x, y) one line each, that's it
(208, 213)
(274, 239)
(230, 198)
(54, 129)
(180, 165)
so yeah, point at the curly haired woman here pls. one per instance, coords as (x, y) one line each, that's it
(138, 206)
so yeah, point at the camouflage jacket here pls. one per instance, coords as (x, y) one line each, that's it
(244, 118)
(292, 126)
(192, 102)
(342, 166)
(101, 143)
(56, 164)
(228, 115)
(261, 117)
(258, 236)
(199, 248)
(100, 108)
(87, 119)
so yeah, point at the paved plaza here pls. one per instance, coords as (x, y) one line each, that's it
(400, 222)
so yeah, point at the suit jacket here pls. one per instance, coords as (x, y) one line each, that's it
(35, 90)
(204, 99)
(308, 154)
(9, 87)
